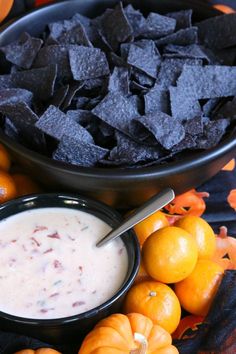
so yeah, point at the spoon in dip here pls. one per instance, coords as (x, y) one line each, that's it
(154, 204)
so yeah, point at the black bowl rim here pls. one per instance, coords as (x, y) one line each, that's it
(84, 202)
(199, 158)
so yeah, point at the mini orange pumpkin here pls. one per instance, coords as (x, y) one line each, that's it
(189, 203)
(127, 334)
(38, 351)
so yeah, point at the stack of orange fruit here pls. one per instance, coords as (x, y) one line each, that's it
(179, 269)
(13, 185)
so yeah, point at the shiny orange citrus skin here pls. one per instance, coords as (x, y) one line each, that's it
(7, 187)
(24, 184)
(156, 301)
(5, 161)
(202, 233)
(197, 292)
(170, 254)
(151, 224)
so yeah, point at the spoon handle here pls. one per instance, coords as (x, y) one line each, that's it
(150, 207)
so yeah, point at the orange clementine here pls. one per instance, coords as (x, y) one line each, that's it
(224, 8)
(156, 301)
(24, 184)
(202, 233)
(170, 254)
(197, 292)
(7, 187)
(151, 224)
(142, 274)
(5, 161)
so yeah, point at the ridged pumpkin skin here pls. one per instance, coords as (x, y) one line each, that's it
(38, 351)
(116, 335)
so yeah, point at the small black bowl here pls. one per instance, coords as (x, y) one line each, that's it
(122, 188)
(71, 329)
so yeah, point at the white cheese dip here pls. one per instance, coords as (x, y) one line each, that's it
(50, 266)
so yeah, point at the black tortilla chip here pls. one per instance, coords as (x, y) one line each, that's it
(136, 19)
(218, 32)
(167, 130)
(55, 54)
(117, 111)
(119, 81)
(183, 18)
(193, 51)
(115, 27)
(157, 100)
(76, 151)
(208, 81)
(22, 52)
(182, 37)
(157, 26)
(59, 96)
(40, 81)
(15, 95)
(183, 107)
(144, 56)
(127, 151)
(213, 133)
(87, 63)
(171, 69)
(56, 124)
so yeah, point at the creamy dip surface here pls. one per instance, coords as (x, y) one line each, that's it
(50, 266)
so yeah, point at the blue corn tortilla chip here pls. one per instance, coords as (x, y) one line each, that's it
(209, 81)
(142, 78)
(183, 107)
(87, 63)
(218, 32)
(182, 37)
(136, 19)
(194, 126)
(100, 82)
(76, 151)
(213, 133)
(22, 52)
(171, 68)
(56, 124)
(119, 81)
(5, 82)
(87, 120)
(144, 56)
(115, 27)
(183, 18)
(117, 111)
(209, 106)
(73, 89)
(166, 130)
(194, 51)
(116, 60)
(228, 110)
(127, 151)
(81, 101)
(15, 95)
(23, 121)
(135, 86)
(40, 81)
(188, 143)
(55, 54)
(59, 96)
(157, 26)
(157, 100)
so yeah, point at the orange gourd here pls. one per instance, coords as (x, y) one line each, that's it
(127, 334)
(189, 203)
(38, 351)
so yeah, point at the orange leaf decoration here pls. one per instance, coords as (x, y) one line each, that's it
(232, 198)
(230, 166)
(189, 203)
(225, 246)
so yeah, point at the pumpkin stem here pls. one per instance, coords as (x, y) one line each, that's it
(143, 344)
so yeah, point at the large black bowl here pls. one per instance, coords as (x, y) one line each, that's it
(73, 328)
(118, 187)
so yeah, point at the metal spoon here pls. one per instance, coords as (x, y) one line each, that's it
(150, 207)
